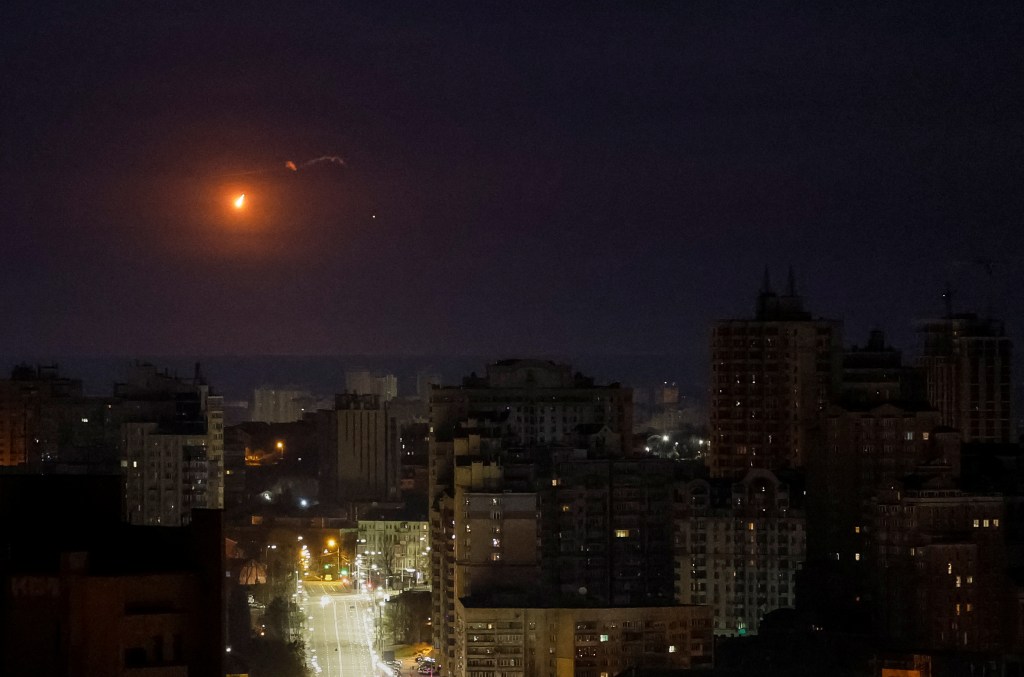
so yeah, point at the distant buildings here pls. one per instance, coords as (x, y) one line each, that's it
(363, 382)
(545, 403)
(281, 405)
(771, 377)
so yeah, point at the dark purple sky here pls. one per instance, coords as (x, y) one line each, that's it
(602, 180)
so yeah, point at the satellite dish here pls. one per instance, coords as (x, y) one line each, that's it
(583, 590)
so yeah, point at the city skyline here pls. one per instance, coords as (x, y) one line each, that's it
(561, 182)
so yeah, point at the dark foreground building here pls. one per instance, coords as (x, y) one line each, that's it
(83, 594)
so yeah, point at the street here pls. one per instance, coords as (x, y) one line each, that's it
(340, 632)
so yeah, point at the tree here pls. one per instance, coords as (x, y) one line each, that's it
(277, 658)
(407, 617)
(275, 618)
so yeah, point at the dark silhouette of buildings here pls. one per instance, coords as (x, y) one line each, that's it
(84, 594)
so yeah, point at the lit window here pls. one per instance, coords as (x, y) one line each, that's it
(750, 526)
(556, 482)
(925, 436)
(622, 533)
(970, 579)
(856, 556)
(949, 568)
(995, 523)
(672, 648)
(957, 609)
(977, 523)
(984, 523)
(970, 607)
(958, 581)
(604, 638)
(856, 530)
(565, 507)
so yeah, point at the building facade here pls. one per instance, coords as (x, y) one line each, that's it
(940, 562)
(967, 363)
(171, 446)
(739, 547)
(359, 450)
(496, 639)
(398, 549)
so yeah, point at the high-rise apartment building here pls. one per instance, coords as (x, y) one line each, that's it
(172, 446)
(607, 529)
(940, 562)
(359, 450)
(738, 548)
(875, 374)
(772, 376)
(533, 488)
(967, 363)
(37, 408)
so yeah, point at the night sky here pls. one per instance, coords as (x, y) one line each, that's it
(603, 179)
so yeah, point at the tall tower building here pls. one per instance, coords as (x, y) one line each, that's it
(967, 365)
(359, 448)
(772, 376)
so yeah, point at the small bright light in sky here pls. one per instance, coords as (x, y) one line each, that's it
(240, 201)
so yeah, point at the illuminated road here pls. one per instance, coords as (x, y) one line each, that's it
(339, 632)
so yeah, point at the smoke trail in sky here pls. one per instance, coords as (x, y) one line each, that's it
(333, 159)
(293, 166)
